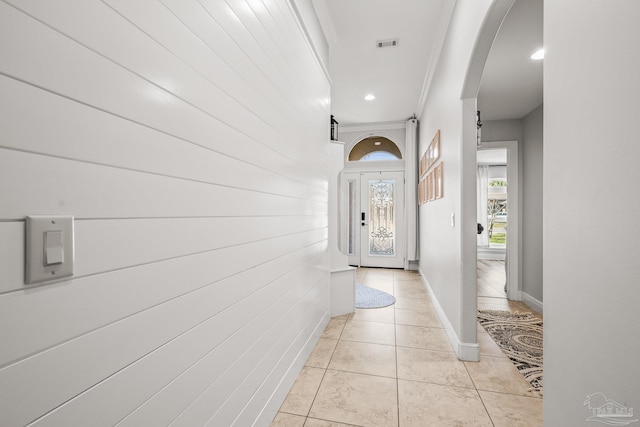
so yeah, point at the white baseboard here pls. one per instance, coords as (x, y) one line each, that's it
(278, 396)
(464, 351)
(515, 295)
(491, 254)
(468, 351)
(532, 302)
(413, 266)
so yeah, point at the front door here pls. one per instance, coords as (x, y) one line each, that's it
(380, 220)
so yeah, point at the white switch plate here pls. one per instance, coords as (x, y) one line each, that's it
(37, 226)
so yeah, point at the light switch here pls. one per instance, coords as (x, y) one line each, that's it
(53, 247)
(49, 248)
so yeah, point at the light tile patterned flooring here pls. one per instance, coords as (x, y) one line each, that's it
(394, 366)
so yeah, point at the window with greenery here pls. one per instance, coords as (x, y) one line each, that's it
(497, 211)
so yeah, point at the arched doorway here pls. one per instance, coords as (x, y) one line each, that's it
(468, 331)
(373, 180)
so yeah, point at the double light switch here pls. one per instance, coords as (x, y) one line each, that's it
(49, 248)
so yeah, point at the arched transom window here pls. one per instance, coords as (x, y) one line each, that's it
(375, 148)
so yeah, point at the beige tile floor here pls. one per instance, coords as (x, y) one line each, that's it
(394, 366)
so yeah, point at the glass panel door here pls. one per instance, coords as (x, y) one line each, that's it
(382, 224)
(382, 210)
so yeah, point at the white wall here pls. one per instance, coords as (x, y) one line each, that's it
(532, 150)
(189, 139)
(502, 130)
(528, 132)
(591, 207)
(313, 29)
(440, 243)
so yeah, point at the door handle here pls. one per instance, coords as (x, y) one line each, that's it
(362, 218)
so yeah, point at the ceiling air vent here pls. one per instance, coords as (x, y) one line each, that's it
(387, 43)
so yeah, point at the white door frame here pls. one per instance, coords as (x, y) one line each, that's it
(512, 261)
(353, 172)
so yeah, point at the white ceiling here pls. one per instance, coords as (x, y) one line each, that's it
(511, 86)
(395, 75)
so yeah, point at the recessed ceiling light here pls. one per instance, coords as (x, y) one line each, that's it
(369, 97)
(539, 54)
(377, 143)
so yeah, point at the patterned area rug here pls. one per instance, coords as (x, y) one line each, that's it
(367, 297)
(519, 335)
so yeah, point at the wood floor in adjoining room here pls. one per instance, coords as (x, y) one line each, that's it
(394, 366)
(491, 293)
(491, 279)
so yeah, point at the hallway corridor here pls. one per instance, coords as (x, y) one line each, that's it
(394, 366)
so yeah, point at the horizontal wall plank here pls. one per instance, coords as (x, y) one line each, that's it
(247, 84)
(265, 403)
(242, 366)
(288, 31)
(259, 20)
(100, 243)
(70, 130)
(189, 139)
(59, 186)
(106, 245)
(12, 250)
(200, 347)
(56, 313)
(80, 74)
(279, 340)
(249, 32)
(107, 33)
(221, 36)
(263, 53)
(197, 20)
(213, 314)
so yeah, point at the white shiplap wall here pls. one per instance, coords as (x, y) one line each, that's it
(189, 140)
